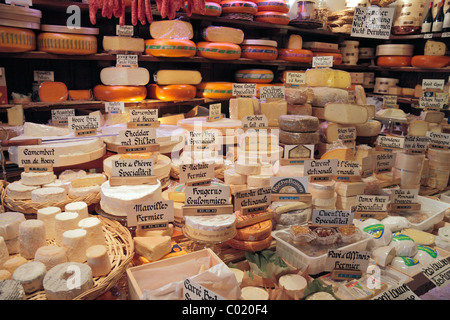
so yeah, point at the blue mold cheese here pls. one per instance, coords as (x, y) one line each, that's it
(30, 275)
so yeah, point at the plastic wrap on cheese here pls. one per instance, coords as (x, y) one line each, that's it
(396, 223)
(404, 245)
(381, 235)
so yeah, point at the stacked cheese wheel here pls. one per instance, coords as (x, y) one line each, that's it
(239, 9)
(16, 39)
(350, 52)
(394, 55)
(212, 9)
(221, 43)
(438, 168)
(215, 90)
(295, 52)
(434, 56)
(383, 85)
(259, 49)
(121, 44)
(408, 168)
(175, 85)
(67, 41)
(298, 97)
(272, 11)
(298, 130)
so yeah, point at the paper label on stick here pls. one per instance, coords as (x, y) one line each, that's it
(62, 114)
(244, 90)
(272, 92)
(402, 292)
(143, 115)
(321, 167)
(252, 197)
(439, 139)
(254, 122)
(371, 203)
(348, 168)
(405, 196)
(289, 185)
(372, 22)
(296, 78)
(124, 31)
(132, 168)
(195, 291)
(347, 260)
(127, 60)
(150, 212)
(207, 195)
(37, 155)
(84, 122)
(114, 107)
(137, 137)
(198, 171)
(391, 142)
(332, 217)
(322, 62)
(438, 272)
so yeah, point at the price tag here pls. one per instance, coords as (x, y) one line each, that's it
(321, 170)
(295, 78)
(146, 212)
(272, 92)
(322, 62)
(331, 218)
(404, 196)
(137, 137)
(252, 198)
(194, 291)
(390, 143)
(445, 35)
(428, 36)
(38, 155)
(433, 84)
(127, 60)
(124, 31)
(143, 115)
(78, 123)
(384, 162)
(372, 22)
(195, 173)
(215, 112)
(390, 101)
(43, 76)
(347, 260)
(297, 154)
(347, 134)
(202, 139)
(348, 171)
(216, 195)
(371, 206)
(254, 122)
(61, 116)
(114, 107)
(416, 145)
(132, 168)
(439, 140)
(244, 90)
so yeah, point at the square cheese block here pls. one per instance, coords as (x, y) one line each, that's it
(273, 110)
(435, 48)
(432, 116)
(241, 107)
(153, 248)
(418, 128)
(345, 113)
(349, 189)
(15, 116)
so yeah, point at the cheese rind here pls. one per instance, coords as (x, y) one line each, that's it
(273, 111)
(324, 95)
(31, 236)
(9, 224)
(371, 128)
(434, 48)
(172, 77)
(37, 178)
(98, 259)
(296, 138)
(171, 29)
(152, 248)
(345, 113)
(294, 123)
(328, 78)
(30, 275)
(65, 221)
(223, 34)
(128, 44)
(119, 76)
(75, 243)
(49, 195)
(94, 231)
(47, 215)
(50, 255)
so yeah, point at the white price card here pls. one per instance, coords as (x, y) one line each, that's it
(244, 90)
(195, 291)
(152, 211)
(295, 78)
(124, 31)
(272, 92)
(62, 114)
(433, 84)
(373, 22)
(322, 62)
(127, 60)
(43, 76)
(143, 115)
(114, 107)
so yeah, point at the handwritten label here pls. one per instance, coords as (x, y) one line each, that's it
(331, 217)
(346, 133)
(389, 101)
(200, 171)
(207, 195)
(43, 76)
(321, 167)
(36, 155)
(127, 60)
(252, 197)
(322, 62)
(132, 168)
(347, 260)
(433, 84)
(295, 78)
(434, 100)
(84, 122)
(439, 139)
(114, 107)
(372, 22)
(143, 115)
(215, 111)
(272, 92)
(137, 137)
(194, 291)
(402, 292)
(254, 122)
(62, 114)
(206, 137)
(244, 90)
(438, 272)
(405, 196)
(385, 161)
(371, 203)
(124, 31)
(150, 212)
(348, 168)
(416, 144)
(391, 142)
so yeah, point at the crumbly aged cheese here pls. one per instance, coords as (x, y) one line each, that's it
(299, 95)
(324, 95)
(50, 256)
(435, 48)
(254, 293)
(294, 123)
(294, 284)
(15, 116)
(9, 224)
(75, 243)
(14, 262)
(80, 207)
(241, 107)
(345, 113)
(123, 44)
(371, 128)
(432, 116)
(152, 248)
(119, 76)
(172, 77)
(328, 78)
(94, 231)
(55, 281)
(48, 195)
(349, 189)
(11, 290)
(273, 110)
(296, 138)
(223, 34)
(37, 178)
(89, 180)
(30, 275)
(47, 215)
(65, 221)
(231, 177)
(98, 259)
(171, 29)
(32, 237)
(116, 200)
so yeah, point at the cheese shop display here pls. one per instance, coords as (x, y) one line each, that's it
(69, 41)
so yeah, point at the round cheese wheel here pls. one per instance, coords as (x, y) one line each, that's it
(394, 61)
(433, 62)
(212, 9)
(171, 29)
(337, 57)
(395, 50)
(255, 232)
(118, 76)
(252, 246)
(259, 52)
(254, 293)
(295, 55)
(175, 92)
(80, 95)
(64, 43)
(237, 6)
(272, 17)
(218, 50)
(16, 39)
(53, 92)
(272, 5)
(120, 93)
(254, 76)
(172, 48)
(215, 90)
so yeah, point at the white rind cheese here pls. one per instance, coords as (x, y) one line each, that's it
(65, 221)
(75, 243)
(37, 178)
(47, 215)
(4, 253)
(98, 259)
(51, 255)
(30, 275)
(94, 229)
(19, 191)
(31, 236)
(9, 224)
(80, 207)
(49, 195)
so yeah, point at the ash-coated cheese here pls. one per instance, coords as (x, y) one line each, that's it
(49, 195)
(294, 123)
(31, 236)
(30, 275)
(51, 255)
(9, 224)
(75, 243)
(345, 113)
(47, 215)
(11, 290)
(37, 178)
(19, 191)
(55, 281)
(296, 138)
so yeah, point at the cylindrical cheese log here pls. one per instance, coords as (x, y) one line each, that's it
(50, 256)
(93, 227)
(120, 76)
(296, 138)
(9, 224)
(294, 123)
(98, 259)
(231, 177)
(56, 281)
(79, 207)
(75, 243)
(47, 215)
(31, 236)
(30, 275)
(410, 162)
(65, 221)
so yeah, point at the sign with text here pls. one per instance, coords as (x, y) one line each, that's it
(439, 140)
(322, 62)
(156, 211)
(289, 185)
(295, 78)
(371, 203)
(43, 76)
(348, 168)
(194, 291)
(196, 171)
(254, 122)
(416, 145)
(434, 100)
(132, 168)
(207, 195)
(244, 90)
(62, 115)
(137, 137)
(405, 196)
(124, 31)
(114, 107)
(391, 142)
(272, 92)
(331, 217)
(321, 167)
(372, 22)
(143, 115)
(384, 161)
(402, 292)
(346, 133)
(38, 155)
(389, 101)
(438, 272)
(84, 122)
(434, 84)
(202, 138)
(252, 197)
(127, 60)
(347, 260)
(215, 112)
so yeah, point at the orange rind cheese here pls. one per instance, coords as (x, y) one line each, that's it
(272, 17)
(53, 92)
(16, 39)
(120, 93)
(295, 55)
(215, 90)
(218, 50)
(237, 6)
(171, 48)
(172, 92)
(67, 44)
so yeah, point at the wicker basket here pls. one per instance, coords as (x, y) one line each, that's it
(121, 251)
(29, 207)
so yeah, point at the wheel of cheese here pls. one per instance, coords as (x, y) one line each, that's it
(69, 44)
(295, 55)
(259, 52)
(272, 17)
(238, 6)
(171, 29)
(80, 95)
(254, 76)
(115, 44)
(212, 9)
(394, 61)
(252, 246)
(53, 92)
(215, 90)
(395, 50)
(120, 93)
(16, 39)
(272, 5)
(216, 1)
(255, 232)
(118, 76)
(223, 34)
(168, 77)
(337, 57)
(433, 62)
(172, 48)
(175, 92)
(218, 50)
